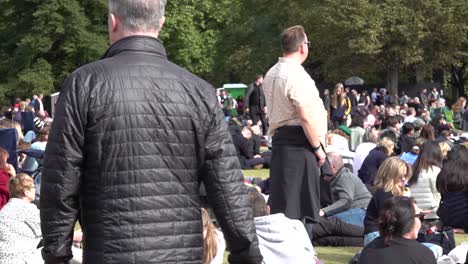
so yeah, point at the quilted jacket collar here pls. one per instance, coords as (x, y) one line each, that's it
(136, 44)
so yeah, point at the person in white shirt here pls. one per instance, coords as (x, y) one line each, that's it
(281, 240)
(423, 182)
(20, 226)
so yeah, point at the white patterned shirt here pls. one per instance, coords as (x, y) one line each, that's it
(20, 232)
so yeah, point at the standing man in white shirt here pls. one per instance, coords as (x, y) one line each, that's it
(298, 124)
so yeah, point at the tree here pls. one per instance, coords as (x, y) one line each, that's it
(193, 32)
(41, 42)
(386, 35)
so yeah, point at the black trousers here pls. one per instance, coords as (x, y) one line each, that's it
(334, 232)
(294, 175)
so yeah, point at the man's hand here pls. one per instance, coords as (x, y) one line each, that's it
(247, 110)
(321, 213)
(321, 156)
(265, 109)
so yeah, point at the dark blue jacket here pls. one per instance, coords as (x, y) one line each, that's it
(371, 165)
(453, 209)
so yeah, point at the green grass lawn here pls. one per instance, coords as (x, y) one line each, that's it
(330, 255)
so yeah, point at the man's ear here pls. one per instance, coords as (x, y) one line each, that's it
(161, 22)
(114, 23)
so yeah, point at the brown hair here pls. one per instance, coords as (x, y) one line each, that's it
(427, 132)
(458, 105)
(389, 173)
(42, 135)
(20, 184)
(292, 38)
(3, 159)
(210, 241)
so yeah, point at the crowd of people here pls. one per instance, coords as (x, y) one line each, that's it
(380, 148)
(136, 141)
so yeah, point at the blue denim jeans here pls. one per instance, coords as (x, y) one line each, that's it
(354, 216)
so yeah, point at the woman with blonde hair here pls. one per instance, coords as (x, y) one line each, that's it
(213, 241)
(20, 225)
(390, 181)
(340, 106)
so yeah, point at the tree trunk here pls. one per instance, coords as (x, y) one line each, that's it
(421, 73)
(458, 80)
(393, 71)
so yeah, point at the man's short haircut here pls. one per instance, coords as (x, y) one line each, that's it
(408, 127)
(292, 38)
(257, 202)
(138, 15)
(258, 76)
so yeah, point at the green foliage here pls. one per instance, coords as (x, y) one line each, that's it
(366, 37)
(43, 41)
(192, 32)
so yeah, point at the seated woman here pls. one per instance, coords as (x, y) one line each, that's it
(423, 182)
(374, 159)
(20, 226)
(390, 181)
(452, 184)
(213, 241)
(399, 224)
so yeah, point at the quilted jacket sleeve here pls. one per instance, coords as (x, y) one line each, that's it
(62, 172)
(227, 193)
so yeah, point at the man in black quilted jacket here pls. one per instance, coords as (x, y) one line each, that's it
(133, 137)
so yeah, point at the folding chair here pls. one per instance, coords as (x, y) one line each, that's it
(9, 141)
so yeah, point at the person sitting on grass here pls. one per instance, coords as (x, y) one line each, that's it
(452, 183)
(399, 224)
(350, 195)
(213, 241)
(20, 227)
(244, 150)
(6, 171)
(423, 183)
(281, 240)
(374, 159)
(406, 141)
(389, 181)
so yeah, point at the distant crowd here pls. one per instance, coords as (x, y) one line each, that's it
(380, 149)
(378, 146)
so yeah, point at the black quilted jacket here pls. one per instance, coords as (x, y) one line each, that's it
(132, 138)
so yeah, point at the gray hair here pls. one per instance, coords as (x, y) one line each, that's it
(370, 136)
(138, 15)
(335, 160)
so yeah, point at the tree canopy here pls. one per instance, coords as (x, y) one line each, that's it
(382, 41)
